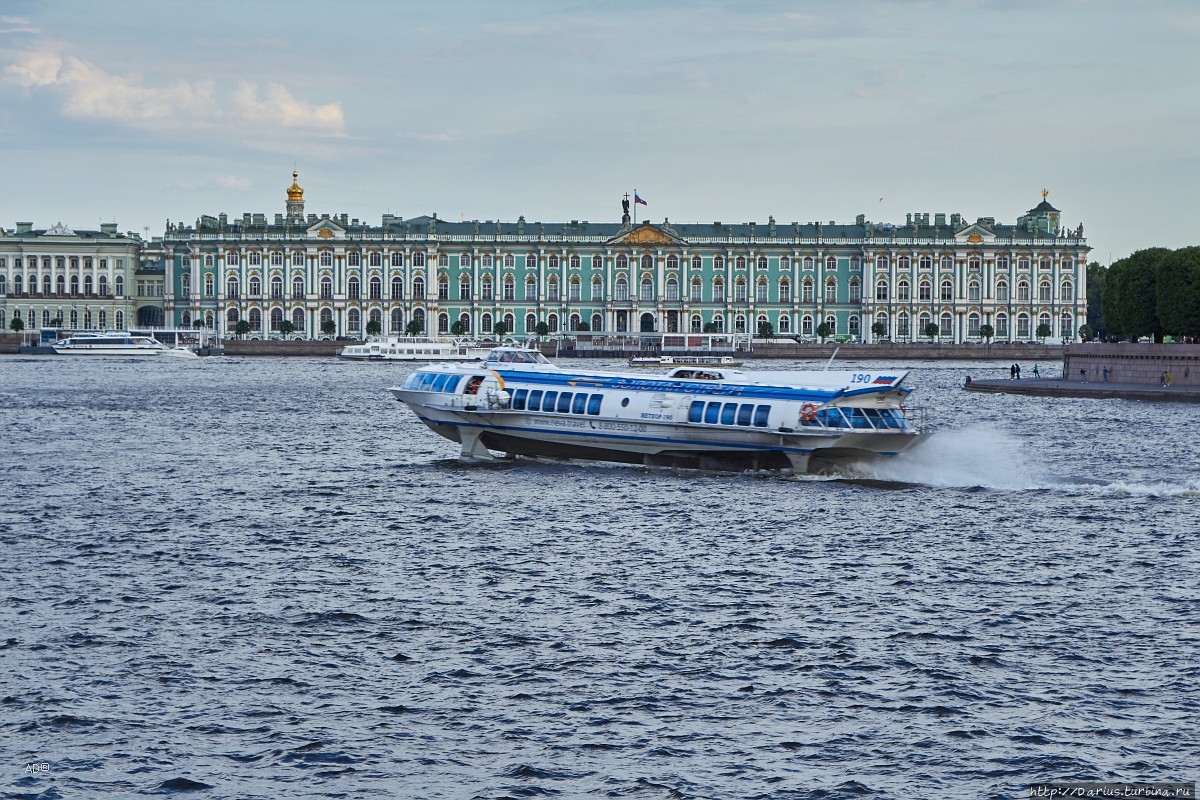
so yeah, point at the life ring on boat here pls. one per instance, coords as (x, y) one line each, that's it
(808, 412)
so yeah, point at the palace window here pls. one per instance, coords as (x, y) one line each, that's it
(739, 291)
(672, 290)
(597, 289)
(925, 291)
(1067, 292)
(575, 290)
(1044, 292)
(1023, 292)
(510, 288)
(443, 260)
(298, 260)
(597, 262)
(807, 291)
(718, 291)
(973, 292)
(443, 287)
(352, 289)
(231, 288)
(552, 289)
(831, 290)
(947, 291)
(418, 285)
(761, 291)
(785, 290)
(622, 287)
(464, 287)
(647, 289)
(903, 325)
(325, 259)
(531, 288)
(418, 259)
(718, 262)
(881, 290)
(376, 289)
(485, 289)
(785, 263)
(697, 262)
(697, 290)
(397, 288)
(925, 263)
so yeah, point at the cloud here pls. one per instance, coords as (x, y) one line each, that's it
(16, 25)
(91, 93)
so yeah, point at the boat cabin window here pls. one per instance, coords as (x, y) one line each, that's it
(728, 413)
(580, 403)
(761, 413)
(712, 414)
(696, 411)
(519, 399)
(832, 418)
(551, 399)
(594, 401)
(745, 412)
(535, 399)
(564, 403)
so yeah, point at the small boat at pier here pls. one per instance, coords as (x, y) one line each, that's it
(699, 416)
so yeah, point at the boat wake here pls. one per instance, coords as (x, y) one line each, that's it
(985, 458)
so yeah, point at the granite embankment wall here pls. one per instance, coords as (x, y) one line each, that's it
(283, 347)
(10, 342)
(1134, 363)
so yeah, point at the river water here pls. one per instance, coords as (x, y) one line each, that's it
(240, 578)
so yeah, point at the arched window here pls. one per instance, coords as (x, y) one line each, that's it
(597, 262)
(1023, 292)
(530, 288)
(1044, 292)
(831, 263)
(924, 291)
(807, 291)
(647, 288)
(552, 289)
(718, 290)
(622, 287)
(597, 288)
(1001, 326)
(881, 290)
(1023, 326)
(1066, 292)
(697, 262)
(739, 323)
(118, 284)
(785, 263)
(397, 321)
(486, 289)
(418, 259)
(326, 292)
(231, 287)
(1066, 328)
(903, 326)
(552, 323)
(276, 319)
(298, 319)
(695, 324)
(854, 326)
(353, 320)
(464, 319)
(597, 322)
(761, 292)
(785, 290)
(973, 292)
(256, 319)
(672, 262)
(375, 288)
(255, 286)
(352, 289)
(397, 259)
(485, 322)
(418, 286)
(530, 323)
(324, 319)
(1002, 292)
(785, 323)
(718, 323)
(973, 324)
(762, 262)
(297, 288)
(672, 290)
(831, 290)
(575, 289)
(418, 317)
(276, 288)
(443, 287)
(464, 287)
(947, 291)
(946, 326)
(397, 288)
(806, 325)
(622, 262)
(855, 290)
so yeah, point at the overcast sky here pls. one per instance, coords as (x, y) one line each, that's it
(139, 111)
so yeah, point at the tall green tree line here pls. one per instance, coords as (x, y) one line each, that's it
(1154, 292)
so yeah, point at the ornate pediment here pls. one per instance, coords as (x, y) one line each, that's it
(974, 234)
(646, 234)
(326, 229)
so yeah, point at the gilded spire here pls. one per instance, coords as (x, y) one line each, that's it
(295, 193)
(1044, 192)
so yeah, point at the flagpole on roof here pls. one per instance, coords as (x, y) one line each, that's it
(635, 205)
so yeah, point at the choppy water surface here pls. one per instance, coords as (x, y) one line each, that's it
(264, 579)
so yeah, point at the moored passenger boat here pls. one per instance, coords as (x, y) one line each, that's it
(702, 416)
(675, 361)
(413, 348)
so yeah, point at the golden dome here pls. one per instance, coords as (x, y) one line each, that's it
(295, 193)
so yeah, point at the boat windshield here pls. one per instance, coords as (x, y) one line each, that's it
(507, 356)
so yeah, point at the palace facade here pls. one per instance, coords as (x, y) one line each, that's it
(311, 276)
(59, 277)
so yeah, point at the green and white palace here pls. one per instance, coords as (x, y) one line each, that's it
(327, 275)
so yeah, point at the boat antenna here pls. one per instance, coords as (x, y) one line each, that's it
(831, 358)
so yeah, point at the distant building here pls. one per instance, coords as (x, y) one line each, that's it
(328, 275)
(64, 278)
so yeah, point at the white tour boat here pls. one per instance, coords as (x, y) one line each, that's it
(679, 361)
(413, 348)
(705, 416)
(117, 343)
